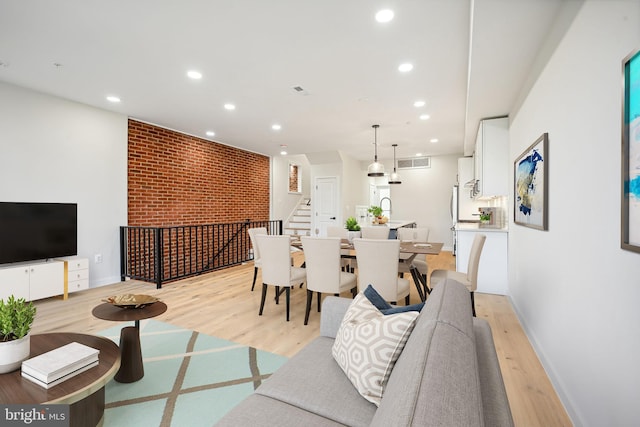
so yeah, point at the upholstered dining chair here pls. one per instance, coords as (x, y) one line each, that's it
(275, 253)
(324, 275)
(417, 235)
(341, 232)
(375, 232)
(253, 232)
(470, 278)
(378, 267)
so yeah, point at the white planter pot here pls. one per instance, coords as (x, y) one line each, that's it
(352, 235)
(12, 353)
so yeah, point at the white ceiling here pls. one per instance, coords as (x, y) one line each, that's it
(471, 60)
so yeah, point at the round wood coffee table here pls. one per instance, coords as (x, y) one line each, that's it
(84, 393)
(131, 366)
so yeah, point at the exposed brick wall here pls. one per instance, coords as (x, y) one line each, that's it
(178, 179)
(293, 178)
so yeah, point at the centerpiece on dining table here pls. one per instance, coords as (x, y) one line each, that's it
(353, 228)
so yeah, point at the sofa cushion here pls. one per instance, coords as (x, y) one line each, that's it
(262, 411)
(368, 344)
(435, 380)
(311, 380)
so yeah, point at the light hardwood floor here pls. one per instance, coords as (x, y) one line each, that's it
(221, 304)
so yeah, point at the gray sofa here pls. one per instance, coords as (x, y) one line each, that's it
(447, 375)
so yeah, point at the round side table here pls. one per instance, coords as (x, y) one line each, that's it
(84, 393)
(131, 366)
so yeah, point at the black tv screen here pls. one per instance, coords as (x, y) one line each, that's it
(35, 231)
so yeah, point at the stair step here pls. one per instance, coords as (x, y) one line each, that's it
(299, 226)
(297, 232)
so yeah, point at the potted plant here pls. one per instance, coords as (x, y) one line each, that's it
(353, 228)
(16, 318)
(485, 217)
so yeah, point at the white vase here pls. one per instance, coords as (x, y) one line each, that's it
(12, 353)
(352, 235)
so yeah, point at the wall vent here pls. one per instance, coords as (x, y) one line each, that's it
(414, 163)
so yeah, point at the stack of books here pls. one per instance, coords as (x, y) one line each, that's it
(60, 364)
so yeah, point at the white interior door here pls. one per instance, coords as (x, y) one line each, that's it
(325, 204)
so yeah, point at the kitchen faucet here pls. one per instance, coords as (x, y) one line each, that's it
(386, 198)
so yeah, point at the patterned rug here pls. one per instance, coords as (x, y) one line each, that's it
(191, 379)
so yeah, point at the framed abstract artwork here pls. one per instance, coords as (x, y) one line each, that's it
(531, 185)
(630, 236)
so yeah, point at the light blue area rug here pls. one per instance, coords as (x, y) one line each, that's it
(190, 379)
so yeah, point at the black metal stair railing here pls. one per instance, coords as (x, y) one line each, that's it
(162, 254)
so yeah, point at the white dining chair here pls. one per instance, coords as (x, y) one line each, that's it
(347, 262)
(378, 267)
(375, 232)
(324, 275)
(468, 278)
(275, 253)
(253, 232)
(417, 235)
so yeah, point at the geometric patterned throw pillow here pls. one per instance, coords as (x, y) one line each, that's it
(368, 345)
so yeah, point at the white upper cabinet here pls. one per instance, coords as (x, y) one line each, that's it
(491, 158)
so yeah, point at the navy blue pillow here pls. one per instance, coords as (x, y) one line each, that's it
(385, 308)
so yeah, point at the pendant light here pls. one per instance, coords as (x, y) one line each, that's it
(394, 178)
(375, 168)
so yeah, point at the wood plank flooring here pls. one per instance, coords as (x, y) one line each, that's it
(221, 304)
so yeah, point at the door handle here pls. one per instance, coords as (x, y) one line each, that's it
(333, 217)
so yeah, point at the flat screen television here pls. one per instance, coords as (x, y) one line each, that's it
(35, 231)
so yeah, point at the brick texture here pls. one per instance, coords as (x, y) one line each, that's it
(178, 179)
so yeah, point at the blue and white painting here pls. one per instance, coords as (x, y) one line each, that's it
(530, 186)
(634, 150)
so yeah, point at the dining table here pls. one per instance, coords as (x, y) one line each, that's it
(407, 247)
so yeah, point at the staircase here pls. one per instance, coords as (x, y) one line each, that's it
(300, 223)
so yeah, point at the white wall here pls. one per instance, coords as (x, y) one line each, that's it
(53, 150)
(425, 196)
(284, 203)
(576, 292)
(352, 185)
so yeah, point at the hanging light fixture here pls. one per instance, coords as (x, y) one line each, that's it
(394, 178)
(375, 168)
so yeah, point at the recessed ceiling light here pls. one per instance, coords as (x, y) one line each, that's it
(195, 75)
(276, 126)
(211, 133)
(113, 99)
(433, 140)
(419, 104)
(418, 154)
(283, 149)
(405, 68)
(424, 117)
(384, 15)
(229, 107)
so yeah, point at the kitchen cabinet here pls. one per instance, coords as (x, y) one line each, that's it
(492, 270)
(32, 281)
(465, 172)
(491, 158)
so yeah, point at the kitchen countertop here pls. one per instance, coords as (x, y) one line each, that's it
(478, 227)
(395, 224)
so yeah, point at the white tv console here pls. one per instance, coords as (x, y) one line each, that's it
(43, 279)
